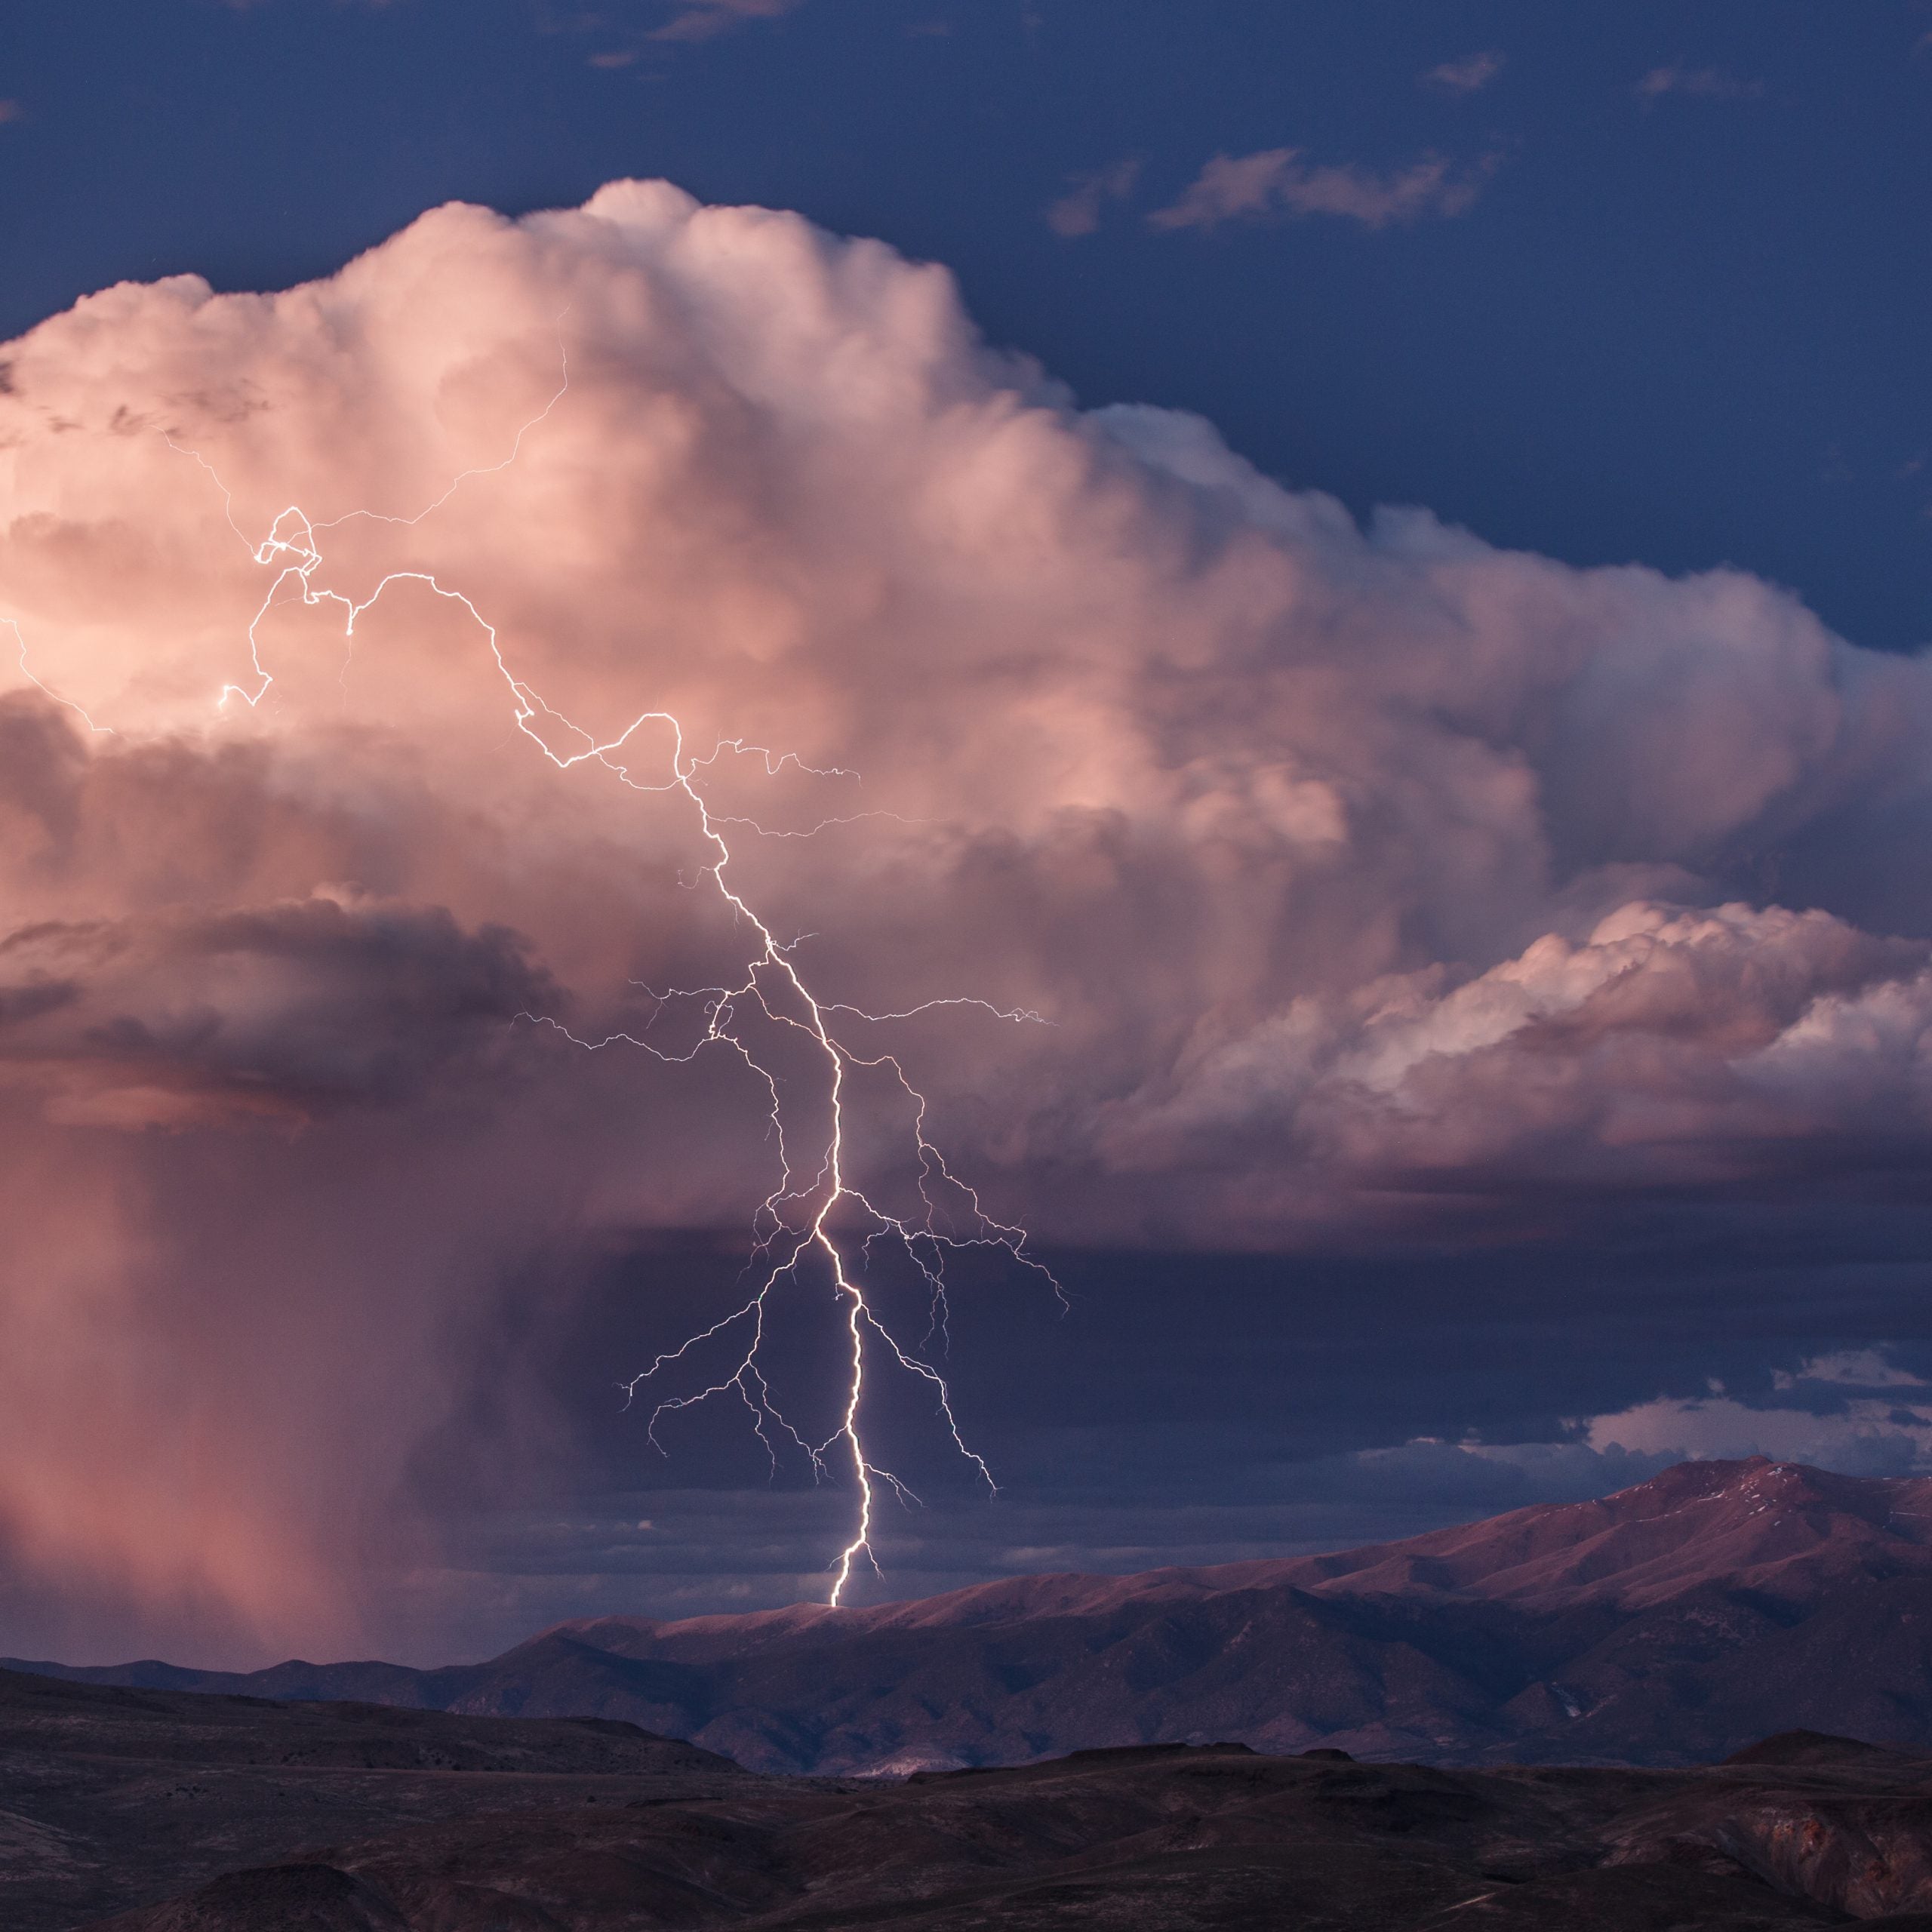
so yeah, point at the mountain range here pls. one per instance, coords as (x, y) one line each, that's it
(1671, 1623)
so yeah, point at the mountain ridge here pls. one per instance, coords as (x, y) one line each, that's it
(1678, 1620)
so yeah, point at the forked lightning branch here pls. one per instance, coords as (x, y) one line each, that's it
(818, 1221)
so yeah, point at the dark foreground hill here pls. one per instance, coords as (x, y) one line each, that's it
(141, 1811)
(1671, 1623)
(108, 1797)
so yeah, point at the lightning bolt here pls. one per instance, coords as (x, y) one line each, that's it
(825, 1220)
(47, 689)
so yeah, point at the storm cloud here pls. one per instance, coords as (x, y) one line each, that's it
(1342, 865)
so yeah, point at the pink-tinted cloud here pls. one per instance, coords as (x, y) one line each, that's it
(1350, 866)
(1470, 75)
(1698, 84)
(1879, 1435)
(1275, 181)
(1851, 1368)
(1078, 211)
(705, 20)
(176, 1018)
(1667, 1046)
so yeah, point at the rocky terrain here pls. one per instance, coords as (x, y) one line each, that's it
(142, 1811)
(109, 1796)
(1670, 1624)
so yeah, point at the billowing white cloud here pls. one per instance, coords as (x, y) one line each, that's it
(1345, 865)
(1675, 1044)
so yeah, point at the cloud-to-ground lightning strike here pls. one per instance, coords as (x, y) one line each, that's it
(798, 1223)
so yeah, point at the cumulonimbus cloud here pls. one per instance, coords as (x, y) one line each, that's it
(1345, 863)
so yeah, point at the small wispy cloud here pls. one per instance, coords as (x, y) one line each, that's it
(10, 110)
(1470, 75)
(1078, 211)
(1851, 1368)
(1867, 1435)
(1276, 182)
(1700, 83)
(705, 20)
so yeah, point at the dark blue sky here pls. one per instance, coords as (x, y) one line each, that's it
(1681, 322)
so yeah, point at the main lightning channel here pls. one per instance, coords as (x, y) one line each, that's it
(797, 1222)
